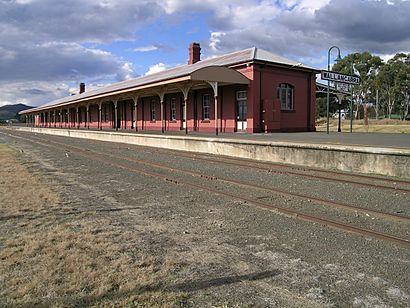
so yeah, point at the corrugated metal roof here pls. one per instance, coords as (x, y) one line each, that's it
(263, 55)
(246, 55)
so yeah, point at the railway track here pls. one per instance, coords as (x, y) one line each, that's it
(328, 175)
(276, 191)
(123, 164)
(369, 181)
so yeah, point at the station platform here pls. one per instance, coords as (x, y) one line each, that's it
(385, 140)
(370, 153)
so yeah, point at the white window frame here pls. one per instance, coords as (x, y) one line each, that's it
(173, 109)
(206, 106)
(286, 95)
(152, 111)
(240, 96)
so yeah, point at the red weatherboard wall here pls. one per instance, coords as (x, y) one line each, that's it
(253, 98)
(177, 124)
(271, 117)
(312, 126)
(263, 109)
(227, 99)
(139, 113)
(148, 124)
(202, 125)
(125, 110)
(107, 115)
(93, 116)
(84, 123)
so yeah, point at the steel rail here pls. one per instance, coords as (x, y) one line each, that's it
(282, 192)
(258, 165)
(243, 162)
(292, 213)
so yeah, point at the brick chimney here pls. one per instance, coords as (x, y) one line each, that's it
(194, 53)
(82, 87)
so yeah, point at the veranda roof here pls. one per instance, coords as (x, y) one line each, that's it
(213, 69)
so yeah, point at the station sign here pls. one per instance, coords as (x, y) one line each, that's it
(343, 87)
(337, 77)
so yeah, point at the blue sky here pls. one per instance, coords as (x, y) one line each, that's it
(48, 47)
(169, 45)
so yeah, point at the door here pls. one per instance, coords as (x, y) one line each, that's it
(242, 104)
(120, 109)
(183, 120)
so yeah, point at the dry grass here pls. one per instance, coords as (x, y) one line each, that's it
(379, 126)
(20, 192)
(53, 257)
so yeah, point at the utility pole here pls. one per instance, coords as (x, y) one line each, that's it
(377, 104)
(351, 102)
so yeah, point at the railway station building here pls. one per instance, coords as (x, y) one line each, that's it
(251, 90)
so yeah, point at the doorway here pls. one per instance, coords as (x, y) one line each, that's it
(241, 110)
(183, 115)
(120, 110)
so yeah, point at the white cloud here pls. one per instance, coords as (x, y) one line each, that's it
(173, 6)
(159, 67)
(126, 72)
(305, 28)
(153, 47)
(60, 61)
(310, 5)
(387, 57)
(88, 87)
(244, 23)
(32, 93)
(44, 44)
(41, 45)
(77, 20)
(145, 48)
(7, 55)
(23, 1)
(215, 40)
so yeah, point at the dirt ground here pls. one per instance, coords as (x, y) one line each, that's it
(50, 250)
(80, 232)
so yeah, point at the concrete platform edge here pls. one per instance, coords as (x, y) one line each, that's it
(371, 160)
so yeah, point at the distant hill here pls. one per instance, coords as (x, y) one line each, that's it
(9, 112)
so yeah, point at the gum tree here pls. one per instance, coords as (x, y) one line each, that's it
(367, 67)
(403, 83)
(394, 81)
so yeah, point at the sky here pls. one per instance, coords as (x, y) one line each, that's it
(47, 47)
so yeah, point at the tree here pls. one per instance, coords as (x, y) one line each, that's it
(387, 77)
(394, 81)
(402, 82)
(367, 67)
(320, 107)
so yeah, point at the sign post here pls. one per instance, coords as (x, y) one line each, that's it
(342, 78)
(342, 81)
(344, 89)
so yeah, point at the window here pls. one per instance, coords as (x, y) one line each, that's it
(241, 99)
(152, 110)
(173, 106)
(285, 94)
(205, 106)
(241, 95)
(104, 112)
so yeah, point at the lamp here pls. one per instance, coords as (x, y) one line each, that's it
(328, 82)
